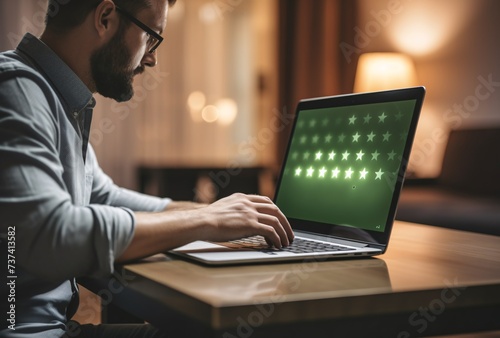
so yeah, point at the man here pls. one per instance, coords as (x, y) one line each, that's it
(61, 216)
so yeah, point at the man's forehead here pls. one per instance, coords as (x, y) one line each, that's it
(155, 14)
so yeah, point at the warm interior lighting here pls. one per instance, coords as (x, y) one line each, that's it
(210, 114)
(382, 71)
(418, 36)
(423, 27)
(228, 110)
(196, 101)
(223, 112)
(208, 13)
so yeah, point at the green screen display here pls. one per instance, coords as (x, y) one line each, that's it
(343, 163)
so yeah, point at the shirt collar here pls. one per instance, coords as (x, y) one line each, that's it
(63, 79)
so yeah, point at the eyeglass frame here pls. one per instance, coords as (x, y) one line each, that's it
(144, 27)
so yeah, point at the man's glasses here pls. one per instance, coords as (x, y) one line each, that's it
(154, 40)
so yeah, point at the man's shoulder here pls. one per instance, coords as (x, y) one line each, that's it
(13, 66)
(10, 60)
(13, 63)
(18, 76)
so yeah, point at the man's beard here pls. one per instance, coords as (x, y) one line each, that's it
(110, 67)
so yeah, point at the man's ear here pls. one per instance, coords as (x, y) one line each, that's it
(106, 19)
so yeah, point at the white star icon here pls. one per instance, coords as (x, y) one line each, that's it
(359, 156)
(310, 172)
(348, 173)
(345, 156)
(391, 155)
(331, 156)
(298, 171)
(322, 172)
(379, 174)
(352, 119)
(328, 138)
(355, 137)
(367, 118)
(375, 156)
(335, 173)
(381, 118)
(319, 154)
(386, 136)
(371, 136)
(363, 174)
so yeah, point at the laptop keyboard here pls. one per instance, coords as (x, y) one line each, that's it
(299, 245)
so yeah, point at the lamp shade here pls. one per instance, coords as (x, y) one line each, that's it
(382, 71)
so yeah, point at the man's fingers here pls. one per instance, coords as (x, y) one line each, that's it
(273, 210)
(265, 206)
(274, 223)
(263, 215)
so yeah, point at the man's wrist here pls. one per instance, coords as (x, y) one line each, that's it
(184, 205)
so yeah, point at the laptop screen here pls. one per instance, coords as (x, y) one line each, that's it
(345, 159)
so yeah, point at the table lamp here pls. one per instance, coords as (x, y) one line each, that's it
(382, 71)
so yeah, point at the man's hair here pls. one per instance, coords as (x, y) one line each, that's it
(63, 15)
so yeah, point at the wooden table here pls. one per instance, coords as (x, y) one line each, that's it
(431, 281)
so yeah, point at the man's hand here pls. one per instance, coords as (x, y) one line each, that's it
(241, 215)
(233, 217)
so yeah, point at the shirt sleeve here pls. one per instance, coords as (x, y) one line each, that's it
(55, 239)
(104, 191)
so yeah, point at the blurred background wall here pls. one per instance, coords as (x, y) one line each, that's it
(228, 70)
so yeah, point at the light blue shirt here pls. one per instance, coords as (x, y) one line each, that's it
(70, 219)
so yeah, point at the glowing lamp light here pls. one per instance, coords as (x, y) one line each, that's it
(228, 109)
(208, 13)
(210, 114)
(224, 111)
(196, 101)
(425, 27)
(382, 71)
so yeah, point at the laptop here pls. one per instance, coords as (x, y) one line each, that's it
(340, 180)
